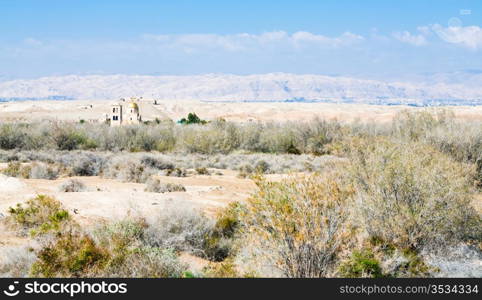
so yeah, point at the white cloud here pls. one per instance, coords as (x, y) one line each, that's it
(413, 39)
(346, 38)
(468, 36)
(32, 42)
(425, 30)
(243, 41)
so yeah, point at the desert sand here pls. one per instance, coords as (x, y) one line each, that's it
(95, 110)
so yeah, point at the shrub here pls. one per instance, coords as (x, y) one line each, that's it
(202, 171)
(411, 195)
(128, 170)
(438, 128)
(262, 167)
(154, 185)
(377, 258)
(151, 262)
(71, 255)
(130, 254)
(155, 163)
(41, 214)
(218, 245)
(16, 261)
(113, 250)
(180, 229)
(16, 169)
(245, 171)
(83, 164)
(12, 136)
(225, 269)
(361, 264)
(69, 140)
(42, 171)
(71, 186)
(300, 223)
(192, 118)
(478, 174)
(177, 172)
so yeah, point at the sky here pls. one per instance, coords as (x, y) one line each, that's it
(370, 38)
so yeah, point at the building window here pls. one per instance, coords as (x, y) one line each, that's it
(115, 118)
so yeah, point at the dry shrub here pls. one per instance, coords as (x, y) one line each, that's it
(131, 254)
(127, 170)
(412, 196)
(202, 171)
(83, 163)
(43, 171)
(300, 223)
(118, 249)
(16, 261)
(16, 169)
(478, 174)
(440, 129)
(179, 228)
(176, 172)
(154, 185)
(72, 186)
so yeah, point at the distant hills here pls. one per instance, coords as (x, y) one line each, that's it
(460, 88)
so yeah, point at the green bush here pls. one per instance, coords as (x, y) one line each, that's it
(192, 118)
(361, 264)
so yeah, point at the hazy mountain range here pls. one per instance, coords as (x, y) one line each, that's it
(459, 88)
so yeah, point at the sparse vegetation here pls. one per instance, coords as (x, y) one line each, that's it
(154, 185)
(375, 201)
(40, 215)
(361, 264)
(411, 195)
(72, 186)
(202, 171)
(300, 225)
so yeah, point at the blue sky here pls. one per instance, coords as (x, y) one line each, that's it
(353, 38)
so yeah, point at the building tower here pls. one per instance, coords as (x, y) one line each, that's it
(132, 115)
(116, 115)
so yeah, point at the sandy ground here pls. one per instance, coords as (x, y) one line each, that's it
(108, 199)
(113, 199)
(90, 110)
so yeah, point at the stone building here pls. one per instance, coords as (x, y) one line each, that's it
(124, 113)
